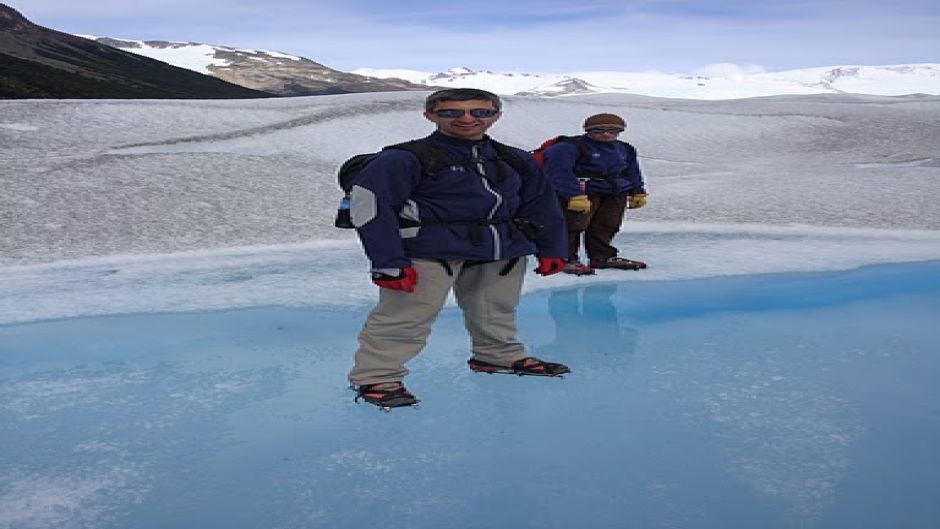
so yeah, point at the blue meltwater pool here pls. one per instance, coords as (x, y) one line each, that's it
(767, 401)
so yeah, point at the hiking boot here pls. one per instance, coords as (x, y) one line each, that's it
(385, 395)
(618, 262)
(577, 268)
(526, 366)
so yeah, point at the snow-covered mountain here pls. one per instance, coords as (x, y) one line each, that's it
(285, 74)
(270, 71)
(718, 82)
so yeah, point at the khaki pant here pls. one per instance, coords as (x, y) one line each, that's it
(398, 327)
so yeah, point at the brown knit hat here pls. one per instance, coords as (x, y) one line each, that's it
(611, 121)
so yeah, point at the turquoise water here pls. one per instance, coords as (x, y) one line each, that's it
(771, 401)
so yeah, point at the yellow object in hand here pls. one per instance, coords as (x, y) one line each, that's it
(579, 203)
(637, 201)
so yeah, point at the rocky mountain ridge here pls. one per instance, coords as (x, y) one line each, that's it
(38, 62)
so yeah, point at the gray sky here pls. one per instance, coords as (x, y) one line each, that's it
(528, 35)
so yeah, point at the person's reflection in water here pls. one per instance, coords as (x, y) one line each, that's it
(590, 325)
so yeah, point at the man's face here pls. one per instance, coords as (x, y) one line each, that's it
(465, 126)
(604, 133)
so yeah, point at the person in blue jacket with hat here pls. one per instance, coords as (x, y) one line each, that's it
(597, 178)
(465, 221)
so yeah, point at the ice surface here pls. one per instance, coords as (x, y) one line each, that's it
(773, 367)
(775, 401)
(91, 178)
(127, 206)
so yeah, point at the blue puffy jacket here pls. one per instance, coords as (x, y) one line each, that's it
(463, 211)
(611, 168)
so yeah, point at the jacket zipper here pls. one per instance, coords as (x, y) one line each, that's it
(481, 170)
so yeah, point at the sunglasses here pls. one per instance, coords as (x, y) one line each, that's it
(451, 113)
(605, 131)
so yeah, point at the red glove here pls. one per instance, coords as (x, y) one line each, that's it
(549, 265)
(405, 280)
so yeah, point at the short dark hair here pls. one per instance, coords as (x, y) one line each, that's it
(461, 94)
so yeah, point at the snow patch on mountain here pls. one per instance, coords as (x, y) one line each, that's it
(193, 56)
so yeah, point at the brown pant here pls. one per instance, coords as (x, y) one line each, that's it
(599, 225)
(398, 328)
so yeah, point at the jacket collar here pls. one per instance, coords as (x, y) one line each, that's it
(439, 137)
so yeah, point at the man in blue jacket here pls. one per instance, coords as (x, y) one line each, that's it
(596, 177)
(465, 224)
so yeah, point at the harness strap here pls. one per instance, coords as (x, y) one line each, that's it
(476, 226)
(447, 268)
(509, 266)
(408, 223)
(503, 271)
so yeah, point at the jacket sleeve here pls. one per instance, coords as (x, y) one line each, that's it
(378, 194)
(539, 203)
(560, 160)
(632, 172)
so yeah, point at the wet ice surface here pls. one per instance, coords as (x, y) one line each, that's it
(800, 400)
(333, 274)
